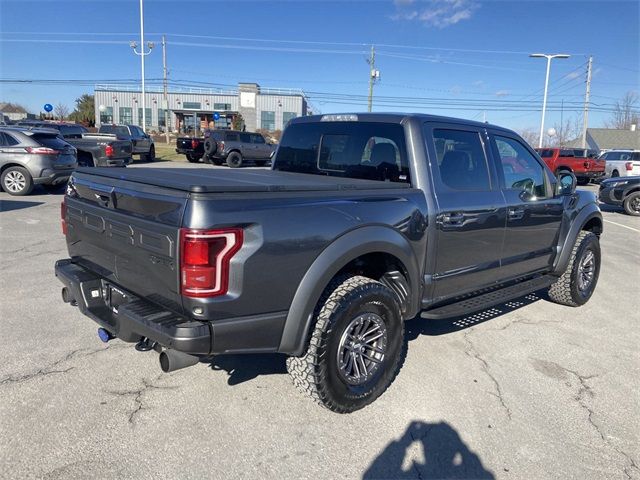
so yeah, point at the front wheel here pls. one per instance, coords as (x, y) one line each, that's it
(356, 346)
(632, 204)
(577, 283)
(151, 156)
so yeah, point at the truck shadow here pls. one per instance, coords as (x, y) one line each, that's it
(612, 208)
(9, 205)
(242, 368)
(427, 450)
(420, 326)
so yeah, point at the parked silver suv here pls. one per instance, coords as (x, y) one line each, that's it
(34, 157)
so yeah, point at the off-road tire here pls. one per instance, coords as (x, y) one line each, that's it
(210, 147)
(565, 290)
(16, 181)
(234, 160)
(316, 374)
(630, 204)
(615, 174)
(191, 158)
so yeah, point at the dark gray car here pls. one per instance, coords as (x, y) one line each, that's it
(31, 157)
(237, 147)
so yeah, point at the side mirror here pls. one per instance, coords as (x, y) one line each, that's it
(566, 183)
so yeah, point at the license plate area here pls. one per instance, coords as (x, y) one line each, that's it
(114, 296)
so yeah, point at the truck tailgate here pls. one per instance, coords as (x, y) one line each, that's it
(121, 149)
(127, 233)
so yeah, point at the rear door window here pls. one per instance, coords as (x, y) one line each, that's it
(51, 141)
(233, 137)
(373, 151)
(7, 140)
(245, 138)
(255, 138)
(461, 160)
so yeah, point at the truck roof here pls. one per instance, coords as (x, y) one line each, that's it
(394, 117)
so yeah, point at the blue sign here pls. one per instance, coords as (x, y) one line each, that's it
(48, 107)
(216, 116)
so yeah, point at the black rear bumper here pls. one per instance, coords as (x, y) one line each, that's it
(131, 318)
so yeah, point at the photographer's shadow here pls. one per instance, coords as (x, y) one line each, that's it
(427, 451)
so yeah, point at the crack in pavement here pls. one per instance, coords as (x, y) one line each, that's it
(473, 353)
(53, 368)
(139, 395)
(523, 321)
(583, 391)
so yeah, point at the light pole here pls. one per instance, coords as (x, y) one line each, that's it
(546, 86)
(142, 54)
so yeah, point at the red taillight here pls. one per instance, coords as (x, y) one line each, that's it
(205, 256)
(42, 151)
(108, 150)
(63, 216)
(194, 143)
(628, 165)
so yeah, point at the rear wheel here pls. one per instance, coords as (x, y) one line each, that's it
(151, 156)
(356, 347)
(632, 204)
(577, 283)
(16, 181)
(193, 158)
(615, 174)
(234, 160)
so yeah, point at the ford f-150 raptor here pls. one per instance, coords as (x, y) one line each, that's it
(363, 221)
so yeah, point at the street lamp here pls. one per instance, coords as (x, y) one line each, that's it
(546, 86)
(142, 54)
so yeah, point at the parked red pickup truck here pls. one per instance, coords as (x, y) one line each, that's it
(583, 167)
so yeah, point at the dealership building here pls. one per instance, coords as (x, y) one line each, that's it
(189, 108)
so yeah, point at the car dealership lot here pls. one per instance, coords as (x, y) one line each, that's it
(525, 390)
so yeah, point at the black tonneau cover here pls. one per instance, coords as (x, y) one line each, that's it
(209, 180)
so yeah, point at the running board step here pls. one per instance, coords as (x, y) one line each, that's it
(486, 300)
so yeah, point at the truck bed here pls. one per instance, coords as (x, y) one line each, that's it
(208, 180)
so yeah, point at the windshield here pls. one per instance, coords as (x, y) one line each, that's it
(371, 151)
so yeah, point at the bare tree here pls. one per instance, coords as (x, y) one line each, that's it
(625, 112)
(61, 111)
(565, 132)
(531, 136)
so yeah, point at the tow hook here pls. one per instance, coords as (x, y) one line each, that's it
(145, 345)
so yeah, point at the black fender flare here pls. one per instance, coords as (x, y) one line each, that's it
(348, 247)
(585, 215)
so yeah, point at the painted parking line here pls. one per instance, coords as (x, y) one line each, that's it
(623, 226)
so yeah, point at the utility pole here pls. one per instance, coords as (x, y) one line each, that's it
(165, 97)
(142, 54)
(585, 120)
(373, 74)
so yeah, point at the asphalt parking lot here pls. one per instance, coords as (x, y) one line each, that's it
(529, 389)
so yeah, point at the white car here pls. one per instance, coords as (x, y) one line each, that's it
(621, 163)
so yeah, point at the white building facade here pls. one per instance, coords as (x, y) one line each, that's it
(195, 108)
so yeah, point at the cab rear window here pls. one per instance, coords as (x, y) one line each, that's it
(363, 150)
(546, 152)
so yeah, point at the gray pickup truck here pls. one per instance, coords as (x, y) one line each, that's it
(363, 222)
(94, 149)
(141, 143)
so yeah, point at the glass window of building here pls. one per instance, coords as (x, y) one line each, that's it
(191, 105)
(107, 115)
(222, 106)
(161, 118)
(126, 115)
(286, 116)
(268, 121)
(147, 112)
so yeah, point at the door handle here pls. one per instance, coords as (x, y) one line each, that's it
(515, 213)
(452, 219)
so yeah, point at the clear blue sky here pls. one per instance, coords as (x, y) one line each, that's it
(321, 47)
